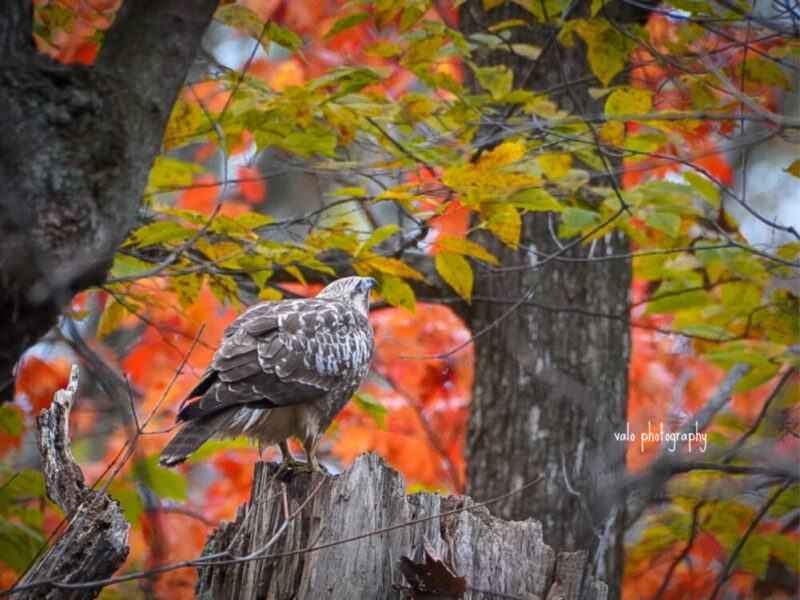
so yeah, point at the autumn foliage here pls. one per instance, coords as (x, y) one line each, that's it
(159, 330)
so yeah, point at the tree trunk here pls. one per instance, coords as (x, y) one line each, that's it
(316, 536)
(551, 378)
(77, 146)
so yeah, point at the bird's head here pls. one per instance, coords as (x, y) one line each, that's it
(351, 290)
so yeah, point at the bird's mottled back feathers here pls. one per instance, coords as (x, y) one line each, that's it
(283, 353)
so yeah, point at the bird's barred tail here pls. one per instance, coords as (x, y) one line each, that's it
(189, 439)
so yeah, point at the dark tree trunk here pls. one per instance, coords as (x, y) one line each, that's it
(77, 146)
(551, 379)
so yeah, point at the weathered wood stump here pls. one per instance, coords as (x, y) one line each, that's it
(95, 541)
(313, 536)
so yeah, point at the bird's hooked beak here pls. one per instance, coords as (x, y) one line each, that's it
(367, 284)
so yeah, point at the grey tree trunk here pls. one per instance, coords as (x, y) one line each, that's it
(75, 153)
(551, 378)
(94, 543)
(319, 537)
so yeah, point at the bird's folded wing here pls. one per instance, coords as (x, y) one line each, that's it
(278, 354)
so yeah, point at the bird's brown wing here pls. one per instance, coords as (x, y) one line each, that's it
(282, 353)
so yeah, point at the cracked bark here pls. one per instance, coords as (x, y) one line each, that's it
(261, 555)
(551, 387)
(76, 150)
(94, 543)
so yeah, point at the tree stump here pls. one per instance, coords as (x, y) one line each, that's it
(314, 536)
(95, 541)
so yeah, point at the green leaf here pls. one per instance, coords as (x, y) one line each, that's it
(763, 70)
(369, 404)
(240, 17)
(496, 80)
(457, 273)
(703, 185)
(347, 22)
(666, 222)
(10, 420)
(755, 377)
(644, 143)
(165, 483)
(678, 301)
(787, 502)
(535, 199)
(574, 220)
(706, 331)
(212, 446)
(283, 37)
(19, 544)
(692, 6)
(379, 235)
(56, 17)
(383, 49)
(754, 556)
(130, 501)
(785, 549)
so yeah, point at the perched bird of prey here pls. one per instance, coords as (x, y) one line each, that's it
(284, 370)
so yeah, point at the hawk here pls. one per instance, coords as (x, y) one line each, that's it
(285, 369)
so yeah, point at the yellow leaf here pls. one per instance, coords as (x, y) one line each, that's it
(352, 192)
(422, 51)
(490, 4)
(794, 168)
(629, 100)
(182, 122)
(504, 221)
(468, 247)
(613, 132)
(391, 266)
(526, 50)
(500, 156)
(187, 287)
(224, 288)
(555, 165)
(607, 48)
(270, 294)
(416, 108)
(111, 318)
(296, 273)
(169, 173)
(397, 292)
(457, 272)
(480, 185)
(342, 121)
